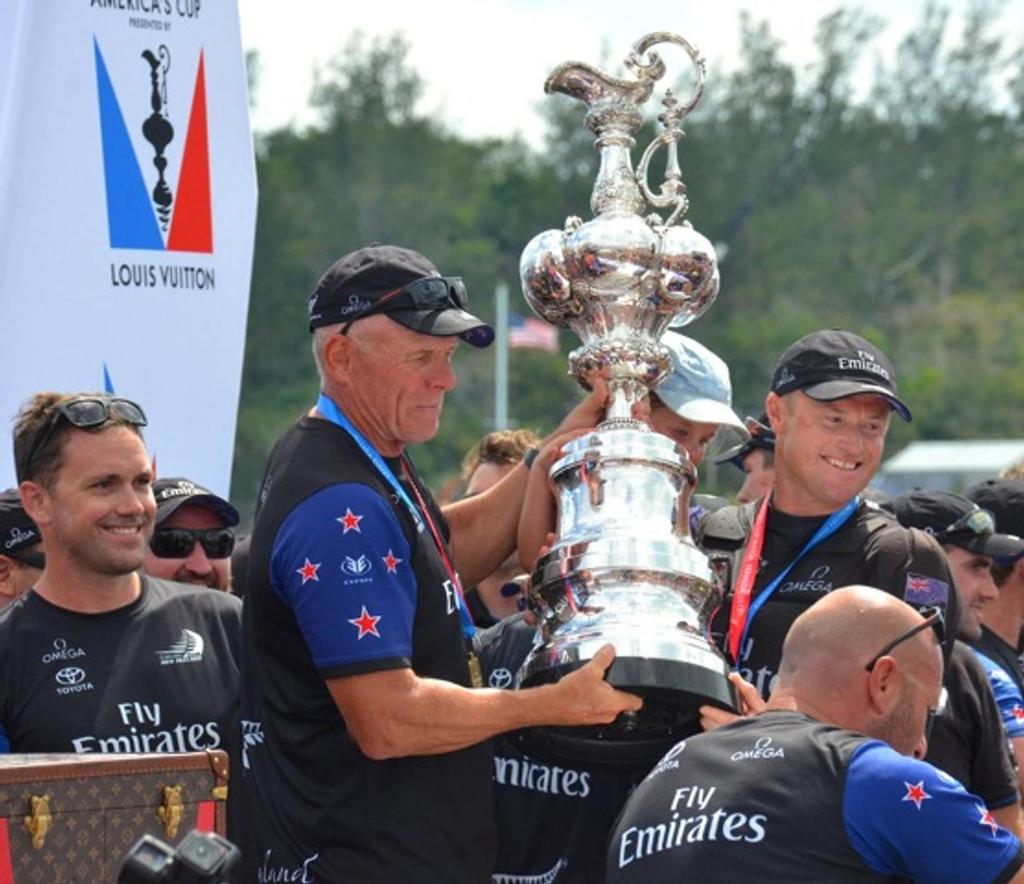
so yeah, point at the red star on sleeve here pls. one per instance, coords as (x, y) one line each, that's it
(986, 819)
(350, 521)
(308, 571)
(366, 623)
(391, 562)
(916, 793)
(1018, 712)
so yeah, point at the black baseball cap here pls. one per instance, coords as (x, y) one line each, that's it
(175, 492)
(17, 531)
(372, 280)
(954, 520)
(762, 437)
(832, 364)
(1004, 498)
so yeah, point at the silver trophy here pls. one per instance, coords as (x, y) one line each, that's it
(624, 569)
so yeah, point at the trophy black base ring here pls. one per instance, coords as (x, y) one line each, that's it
(672, 692)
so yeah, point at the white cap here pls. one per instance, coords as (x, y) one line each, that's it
(698, 386)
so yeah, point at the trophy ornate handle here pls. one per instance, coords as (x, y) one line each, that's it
(673, 190)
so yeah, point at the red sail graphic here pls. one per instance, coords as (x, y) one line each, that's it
(192, 227)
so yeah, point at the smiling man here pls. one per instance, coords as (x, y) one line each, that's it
(97, 657)
(831, 400)
(832, 396)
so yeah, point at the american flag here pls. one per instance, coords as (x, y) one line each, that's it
(529, 333)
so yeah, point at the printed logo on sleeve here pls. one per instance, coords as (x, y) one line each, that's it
(391, 562)
(350, 521)
(356, 567)
(366, 623)
(916, 793)
(252, 736)
(986, 819)
(922, 590)
(187, 649)
(308, 571)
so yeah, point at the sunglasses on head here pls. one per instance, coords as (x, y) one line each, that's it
(977, 521)
(429, 293)
(86, 412)
(178, 543)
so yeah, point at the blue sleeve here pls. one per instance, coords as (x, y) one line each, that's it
(907, 818)
(1007, 694)
(5, 744)
(342, 564)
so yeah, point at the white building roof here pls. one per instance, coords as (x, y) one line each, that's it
(987, 456)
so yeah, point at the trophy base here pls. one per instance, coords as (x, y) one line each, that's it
(672, 691)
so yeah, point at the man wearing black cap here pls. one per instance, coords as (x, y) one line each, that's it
(97, 656)
(21, 548)
(831, 398)
(193, 540)
(968, 741)
(364, 754)
(755, 458)
(1003, 618)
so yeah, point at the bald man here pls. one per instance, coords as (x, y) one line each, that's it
(821, 786)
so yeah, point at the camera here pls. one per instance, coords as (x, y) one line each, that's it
(200, 858)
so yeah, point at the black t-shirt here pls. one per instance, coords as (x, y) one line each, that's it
(158, 675)
(342, 582)
(870, 549)
(993, 647)
(781, 797)
(968, 740)
(553, 820)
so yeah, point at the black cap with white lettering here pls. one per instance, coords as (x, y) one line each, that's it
(17, 530)
(175, 492)
(833, 364)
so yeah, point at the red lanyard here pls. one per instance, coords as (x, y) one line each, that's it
(744, 586)
(742, 611)
(467, 622)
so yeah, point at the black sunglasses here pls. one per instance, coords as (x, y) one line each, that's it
(87, 412)
(178, 543)
(934, 617)
(429, 293)
(33, 560)
(977, 521)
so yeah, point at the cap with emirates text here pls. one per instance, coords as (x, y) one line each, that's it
(173, 493)
(379, 278)
(833, 364)
(17, 531)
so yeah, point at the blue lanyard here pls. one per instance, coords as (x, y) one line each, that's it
(330, 410)
(829, 527)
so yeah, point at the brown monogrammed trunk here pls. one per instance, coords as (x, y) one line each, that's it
(74, 817)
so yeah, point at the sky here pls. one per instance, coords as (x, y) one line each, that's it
(484, 62)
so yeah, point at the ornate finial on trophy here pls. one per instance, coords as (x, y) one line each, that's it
(157, 129)
(621, 279)
(623, 568)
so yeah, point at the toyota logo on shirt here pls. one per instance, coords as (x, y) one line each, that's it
(70, 675)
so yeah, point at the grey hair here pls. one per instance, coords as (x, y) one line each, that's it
(318, 341)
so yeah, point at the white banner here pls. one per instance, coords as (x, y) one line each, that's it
(127, 216)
